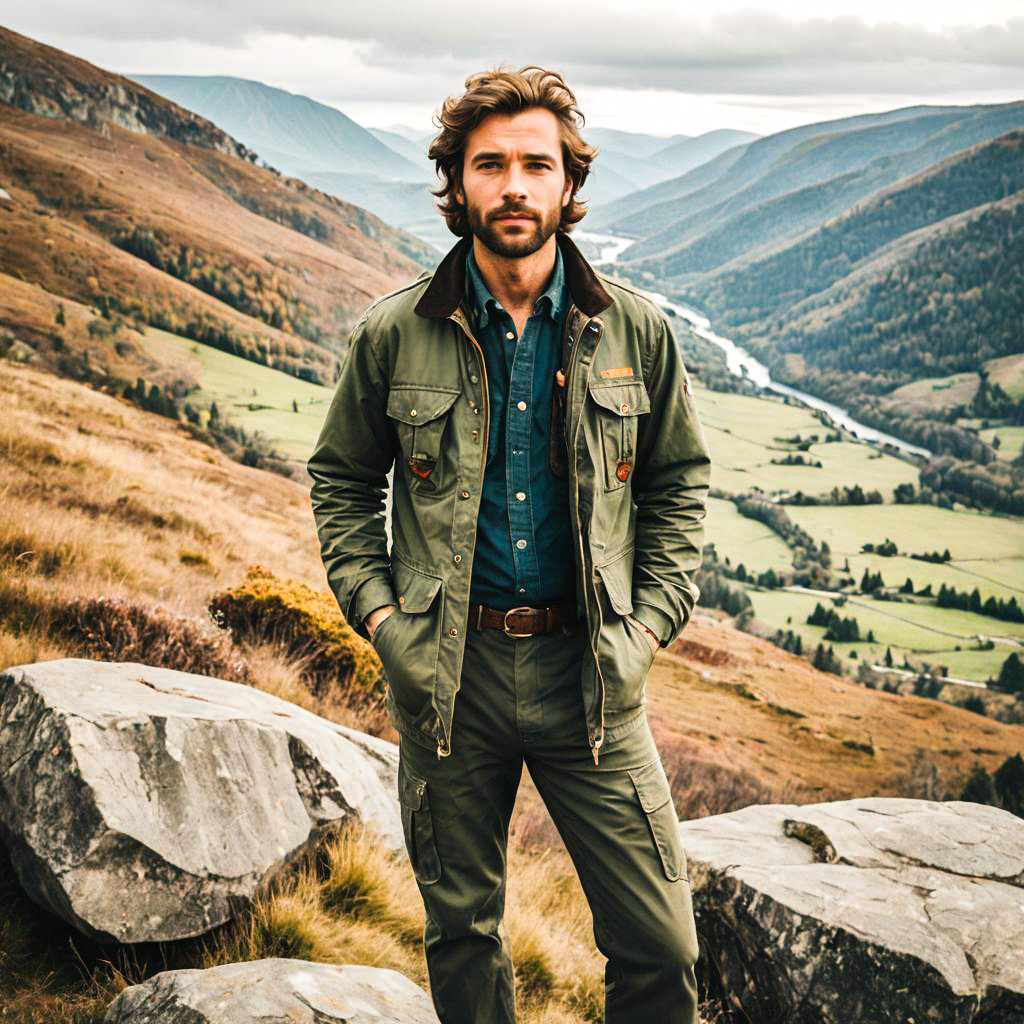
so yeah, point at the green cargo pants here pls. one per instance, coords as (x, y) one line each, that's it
(520, 699)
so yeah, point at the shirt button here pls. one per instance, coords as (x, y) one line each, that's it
(521, 406)
(457, 558)
(476, 410)
(511, 335)
(463, 494)
(520, 495)
(472, 378)
(520, 543)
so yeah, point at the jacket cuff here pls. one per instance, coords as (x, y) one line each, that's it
(370, 594)
(655, 620)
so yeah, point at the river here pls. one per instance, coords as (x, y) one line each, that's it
(739, 360)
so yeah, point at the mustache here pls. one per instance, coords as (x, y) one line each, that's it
(513, 211)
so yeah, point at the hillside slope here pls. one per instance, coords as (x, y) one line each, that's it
(125, 206)
(104, 499)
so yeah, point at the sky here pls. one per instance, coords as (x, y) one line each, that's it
(682, 67)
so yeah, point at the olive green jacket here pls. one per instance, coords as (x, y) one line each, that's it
(413, 394)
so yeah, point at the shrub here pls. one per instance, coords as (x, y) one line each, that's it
(113, 629)
(308, 624)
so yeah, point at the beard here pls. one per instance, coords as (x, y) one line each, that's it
(515, 243)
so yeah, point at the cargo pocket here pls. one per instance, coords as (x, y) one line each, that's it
(418, 826)
(619, 405)
(420, 415)
(655, 797)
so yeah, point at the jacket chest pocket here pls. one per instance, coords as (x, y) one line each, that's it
(420, 415)
(618, 407)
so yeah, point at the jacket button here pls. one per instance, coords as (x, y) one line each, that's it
(401, 599)
(412, 412)
(463, 494)
(520, 495)
(520, 543)
(521, 406)
(511, 335)
(453, 631)
(472, 378)
(457, 558)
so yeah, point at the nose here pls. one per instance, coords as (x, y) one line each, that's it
(513, 187)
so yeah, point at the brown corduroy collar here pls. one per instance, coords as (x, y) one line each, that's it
(446, 288)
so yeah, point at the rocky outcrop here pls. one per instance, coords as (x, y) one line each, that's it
(47, 82)
(274, 990)
(863, 910)
(145, 804)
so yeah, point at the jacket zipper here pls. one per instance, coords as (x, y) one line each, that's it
(599, 736)
(444, 745)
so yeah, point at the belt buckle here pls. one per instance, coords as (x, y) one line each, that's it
(521, 608)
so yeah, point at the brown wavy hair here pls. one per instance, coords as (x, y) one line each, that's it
(507, 92)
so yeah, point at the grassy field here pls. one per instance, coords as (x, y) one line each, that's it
(745, 434)
(926, 633)
(745, 540)
(1011, 440)
(253, 397)
(963, 575)
(970, 536)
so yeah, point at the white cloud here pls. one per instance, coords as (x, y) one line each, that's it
(690, 65)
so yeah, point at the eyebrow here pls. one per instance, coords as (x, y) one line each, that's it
(501, 156)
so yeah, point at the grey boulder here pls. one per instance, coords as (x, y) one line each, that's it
(144, 804)
(863, 910)
(261, 991)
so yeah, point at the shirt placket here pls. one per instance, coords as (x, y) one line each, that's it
(518, 426)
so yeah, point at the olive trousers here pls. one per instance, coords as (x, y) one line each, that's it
(521, 700)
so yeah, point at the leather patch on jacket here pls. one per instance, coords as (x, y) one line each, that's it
(617, 371)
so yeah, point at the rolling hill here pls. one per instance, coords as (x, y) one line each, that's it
(124, 208)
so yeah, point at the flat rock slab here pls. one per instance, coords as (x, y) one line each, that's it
(144, 804)
(264, 991)
(863, 910)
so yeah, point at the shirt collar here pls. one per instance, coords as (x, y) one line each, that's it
(483, 303)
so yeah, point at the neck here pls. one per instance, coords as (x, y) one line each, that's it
(517, 282)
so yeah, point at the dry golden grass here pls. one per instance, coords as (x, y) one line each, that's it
(101, 499)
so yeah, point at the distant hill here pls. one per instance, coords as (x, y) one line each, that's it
(126, 209)
(781, 185)
(301, 134)
(314, 142)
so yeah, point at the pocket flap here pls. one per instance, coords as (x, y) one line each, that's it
(651, 786)
(417, 405)
(617, 577)
(624, 399)
(415, 590)
(411, 791)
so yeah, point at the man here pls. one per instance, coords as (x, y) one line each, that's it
(550, 481)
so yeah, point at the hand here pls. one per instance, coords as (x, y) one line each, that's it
(377, 616)
(650, 637)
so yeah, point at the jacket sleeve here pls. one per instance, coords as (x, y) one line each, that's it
(670, 488)
(349, 468)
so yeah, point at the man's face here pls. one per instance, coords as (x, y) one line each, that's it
(514, 183)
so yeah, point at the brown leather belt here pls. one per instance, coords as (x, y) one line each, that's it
(523, 621)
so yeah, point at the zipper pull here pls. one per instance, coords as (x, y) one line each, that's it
(596, 746)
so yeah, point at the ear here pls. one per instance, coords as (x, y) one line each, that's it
(567, 191)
